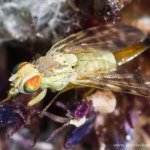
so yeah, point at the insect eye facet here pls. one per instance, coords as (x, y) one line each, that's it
(32, 84)
(18, 66)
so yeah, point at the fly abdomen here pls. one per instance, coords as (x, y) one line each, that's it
(125, 55)
(94, 63)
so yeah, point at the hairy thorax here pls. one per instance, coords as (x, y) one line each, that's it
(56, 69)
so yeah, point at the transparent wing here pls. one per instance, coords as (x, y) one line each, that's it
(110, 37)
(121, 80)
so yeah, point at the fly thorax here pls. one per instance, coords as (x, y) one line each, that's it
(66, 59)
(61, 74)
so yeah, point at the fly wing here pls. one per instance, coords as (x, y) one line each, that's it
(121, 80)
(110, 37)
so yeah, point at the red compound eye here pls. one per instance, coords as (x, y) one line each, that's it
(17, 67)
(32, 84)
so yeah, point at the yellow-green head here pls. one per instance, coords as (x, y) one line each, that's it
(25, 79)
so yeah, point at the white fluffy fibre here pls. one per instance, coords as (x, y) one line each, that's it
(30, 18)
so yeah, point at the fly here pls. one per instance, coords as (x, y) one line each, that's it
(90, 58)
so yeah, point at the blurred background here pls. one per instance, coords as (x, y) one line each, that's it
(28, 29)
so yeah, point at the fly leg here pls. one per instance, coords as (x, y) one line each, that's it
(38, 98)
(55, 97)
(50, 103)
(51, 136)
(64, 120)
(61, 105)
(89, 92)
